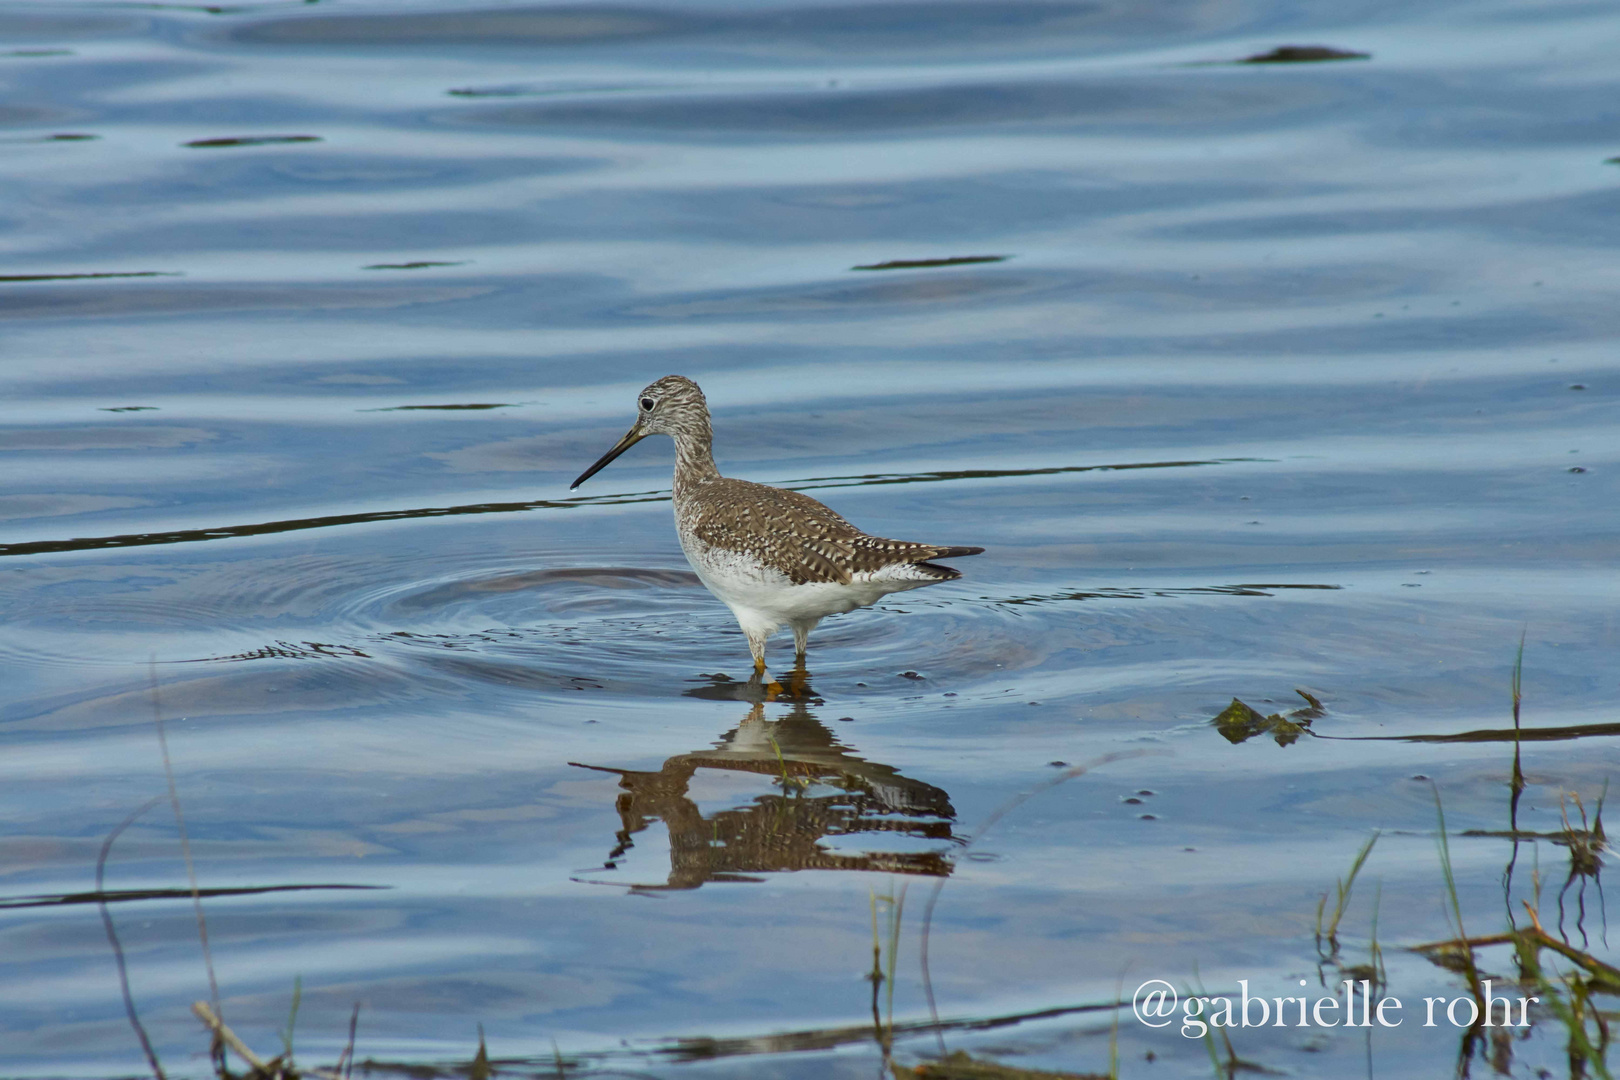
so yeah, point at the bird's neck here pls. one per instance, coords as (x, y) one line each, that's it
(694, 458)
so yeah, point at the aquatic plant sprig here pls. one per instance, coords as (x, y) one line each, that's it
(112, 934)
(882, 974)
(185, 840)
(1454, 915)
(1342, 889)
(292, 1018)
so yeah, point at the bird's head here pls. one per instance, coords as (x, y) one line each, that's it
(671, 406)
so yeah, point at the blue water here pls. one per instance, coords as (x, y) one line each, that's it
(1289, 375)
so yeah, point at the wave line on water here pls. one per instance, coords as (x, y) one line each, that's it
(1143, 592)
(265, 528)
(868, 479)
(1492, 735)
(114, 896)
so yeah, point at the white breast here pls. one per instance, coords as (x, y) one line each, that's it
(764, 599)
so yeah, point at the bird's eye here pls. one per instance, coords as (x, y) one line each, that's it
(647, 404)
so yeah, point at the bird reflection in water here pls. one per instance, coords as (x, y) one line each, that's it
(823, 791)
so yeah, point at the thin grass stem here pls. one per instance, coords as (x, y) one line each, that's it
(185, 848)
(112, 934)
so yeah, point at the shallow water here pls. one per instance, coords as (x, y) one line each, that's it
(1294, 375)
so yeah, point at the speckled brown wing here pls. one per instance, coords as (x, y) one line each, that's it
(796, 534)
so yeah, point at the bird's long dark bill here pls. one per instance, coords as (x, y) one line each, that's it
(631, 437)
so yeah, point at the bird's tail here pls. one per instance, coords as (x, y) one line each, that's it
(955, 552)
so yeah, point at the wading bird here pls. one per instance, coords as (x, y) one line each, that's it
(775, 558)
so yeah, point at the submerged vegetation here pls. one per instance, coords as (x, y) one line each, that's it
(1567, 989)
(1570, 992)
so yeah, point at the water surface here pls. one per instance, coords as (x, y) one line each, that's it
(1250, 378)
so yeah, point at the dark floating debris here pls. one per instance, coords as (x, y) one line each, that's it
(423, 265)
(910, 675)
(63, 136)
(1239, 723)
(1576, 469)
(1303, 54)
(130, 408)
(78, 277)
(251, 140)
(1611, 161)
(1577, 386)
(521, 90)
(444, 408)
(924, 264)
(489, 91)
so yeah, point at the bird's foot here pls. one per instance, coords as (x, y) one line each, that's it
(771, 688)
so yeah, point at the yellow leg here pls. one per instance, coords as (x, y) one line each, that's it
(757, 647)
(773, 687)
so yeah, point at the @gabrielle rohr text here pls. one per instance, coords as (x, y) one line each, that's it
(1157, 1004)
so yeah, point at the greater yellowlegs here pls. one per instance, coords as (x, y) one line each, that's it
(776, 558)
